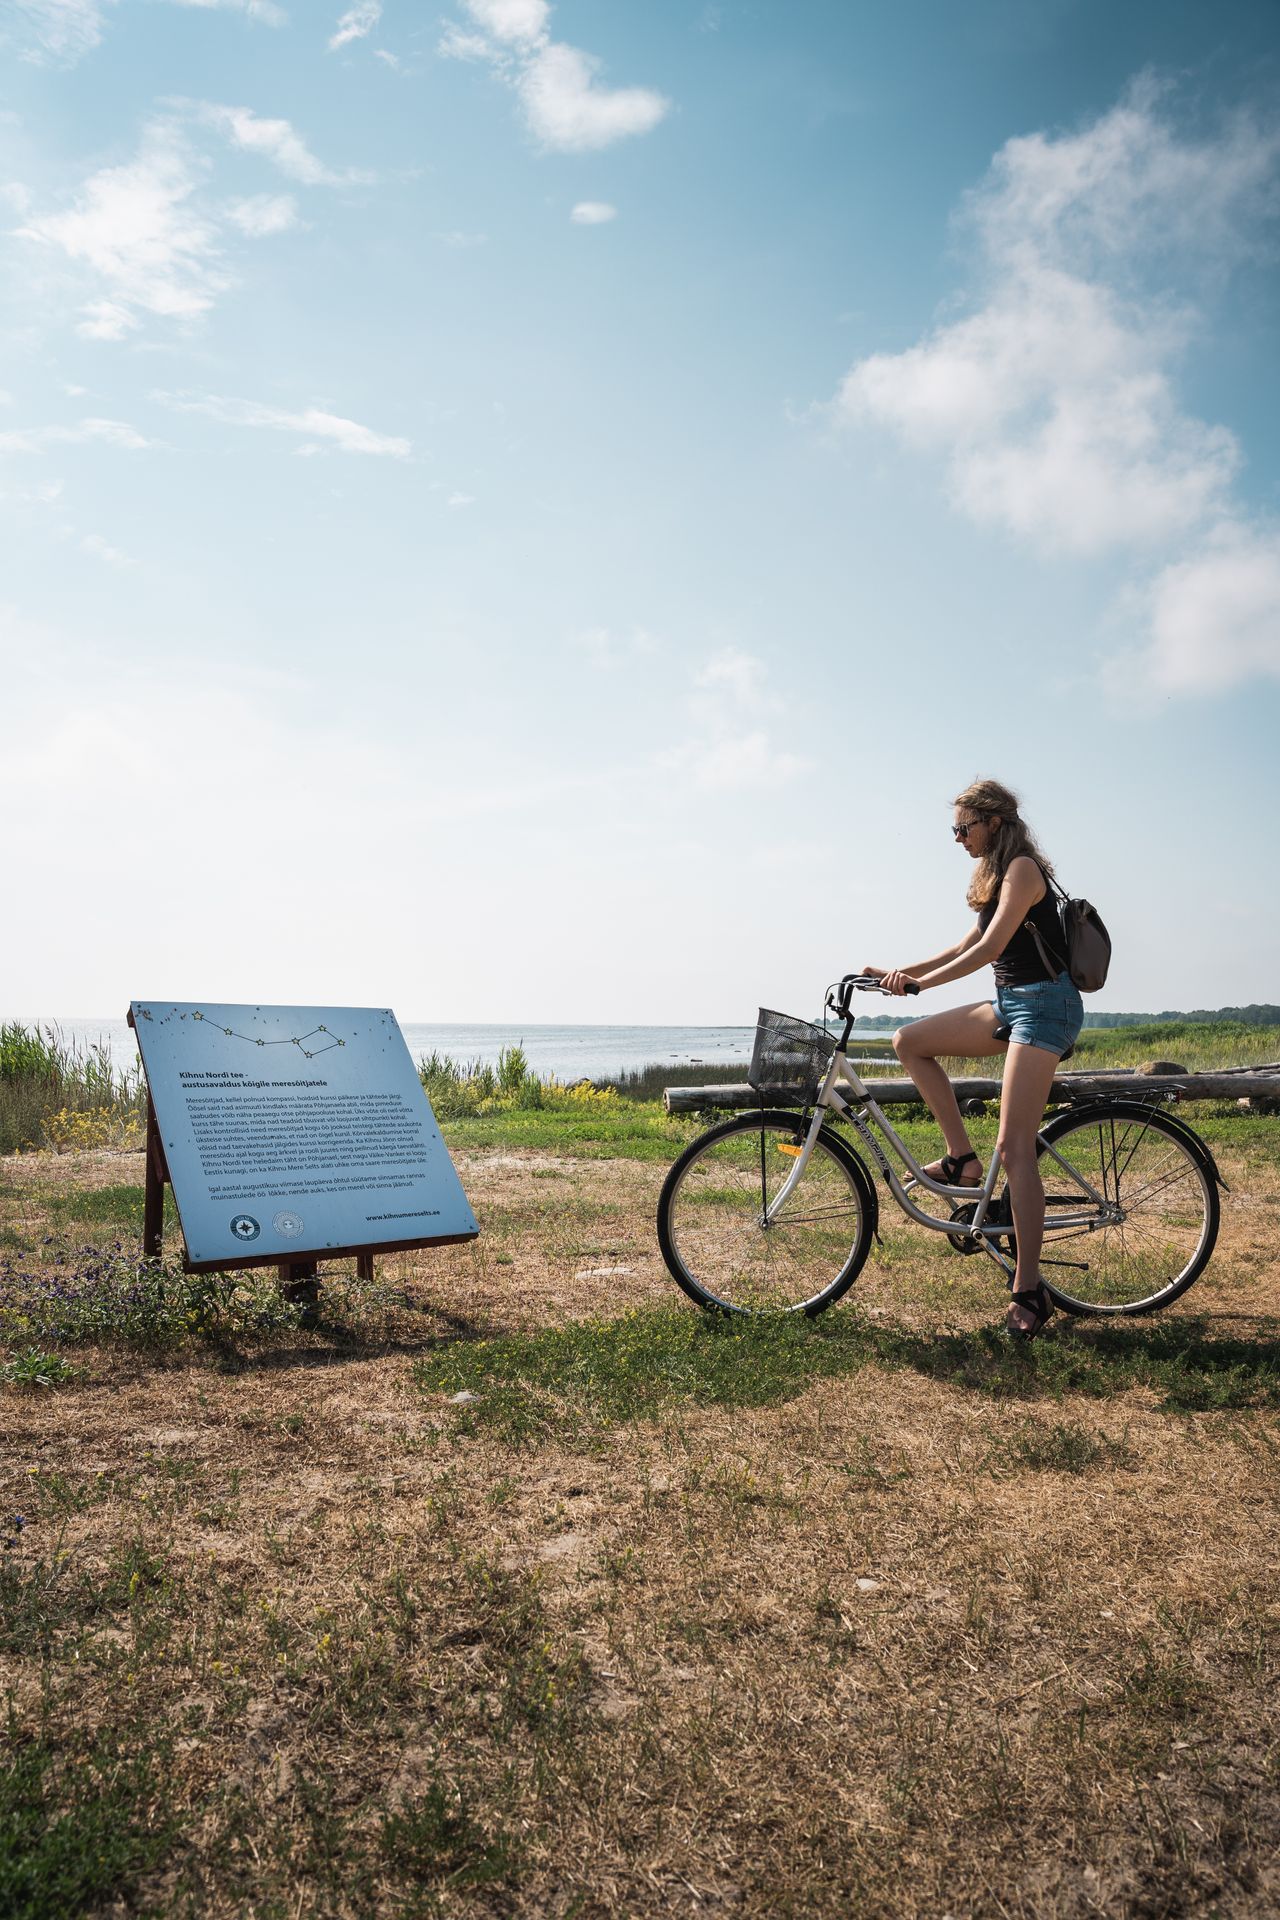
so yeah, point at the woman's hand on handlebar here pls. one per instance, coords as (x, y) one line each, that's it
(896, 981)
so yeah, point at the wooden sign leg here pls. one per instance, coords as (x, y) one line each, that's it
(299, 1283)
(153, 1192)
(364, 1266)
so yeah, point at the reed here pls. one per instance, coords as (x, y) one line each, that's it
(461, 1090)
(56, 1094)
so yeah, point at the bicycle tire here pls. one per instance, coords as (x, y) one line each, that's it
(1161, 1177)
(710, 1208)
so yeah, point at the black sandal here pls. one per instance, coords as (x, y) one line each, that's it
(1032, 1300)
(948, 1170)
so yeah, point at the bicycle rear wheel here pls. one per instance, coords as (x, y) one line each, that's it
(712, 1224)
(1153, 1225)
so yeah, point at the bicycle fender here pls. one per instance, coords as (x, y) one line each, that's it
(1139, 1110)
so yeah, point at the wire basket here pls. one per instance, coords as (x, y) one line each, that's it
(790, 1057)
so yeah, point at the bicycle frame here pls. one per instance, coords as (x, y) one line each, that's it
(844, 1094)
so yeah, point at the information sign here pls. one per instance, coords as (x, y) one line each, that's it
(295, 1132)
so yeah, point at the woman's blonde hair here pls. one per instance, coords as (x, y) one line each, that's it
(987, 798)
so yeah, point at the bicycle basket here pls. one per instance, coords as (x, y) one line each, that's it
(789, 1058)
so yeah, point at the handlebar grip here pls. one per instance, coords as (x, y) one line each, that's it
(912, 987)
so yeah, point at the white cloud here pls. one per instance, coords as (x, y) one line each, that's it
(743, 761)
(102, 550)
(60, 32)
(55, 32)
(461, 500)
(1052, 403)
(149, 234)
(569, 112)
(116, 433)
(457, 44)
(593, 213)
(521, 21)
(263, 213)
(44, 493)
(565, 106)
(273, 140)
(311, 422)
(733, 746)
(1213, 620)
(1127, 185)
(264, 10)
(356, 23)
(736, 676)
(106, 320)
(607, 651)
(135, 227)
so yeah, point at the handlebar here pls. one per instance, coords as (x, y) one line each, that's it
(838, 997)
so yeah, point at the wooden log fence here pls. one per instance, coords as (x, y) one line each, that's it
(1227, 1083)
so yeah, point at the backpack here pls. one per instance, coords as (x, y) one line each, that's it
(1086, 944)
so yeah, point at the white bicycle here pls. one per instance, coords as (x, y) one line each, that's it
(775, 1209)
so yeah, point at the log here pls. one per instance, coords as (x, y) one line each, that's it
(1228, 1083)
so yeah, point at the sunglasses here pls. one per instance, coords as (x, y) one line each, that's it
(963, 831)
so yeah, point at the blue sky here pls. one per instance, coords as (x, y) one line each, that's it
(531, 512)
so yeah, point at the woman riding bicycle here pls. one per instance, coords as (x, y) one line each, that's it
(1035, 1018)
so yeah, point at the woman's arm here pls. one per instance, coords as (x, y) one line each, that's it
(938, 960)
(1022, 887)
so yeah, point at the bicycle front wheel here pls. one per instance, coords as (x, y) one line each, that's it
(1150, 1207)
(724, 1250)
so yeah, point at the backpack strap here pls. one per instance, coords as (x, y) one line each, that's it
(1051, 966)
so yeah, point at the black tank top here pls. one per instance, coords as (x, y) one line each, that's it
(1020, 964)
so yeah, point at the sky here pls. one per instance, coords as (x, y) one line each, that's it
(514, 511)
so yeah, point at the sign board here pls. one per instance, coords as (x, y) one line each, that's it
(295, 1132)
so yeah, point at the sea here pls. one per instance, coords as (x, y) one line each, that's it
(569, 1053)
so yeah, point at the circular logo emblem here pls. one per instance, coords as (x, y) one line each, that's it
(287, 1224)
(245, 1227)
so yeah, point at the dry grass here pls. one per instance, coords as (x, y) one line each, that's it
(287, 1634)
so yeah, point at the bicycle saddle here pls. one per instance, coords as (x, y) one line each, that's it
(1004, 1032)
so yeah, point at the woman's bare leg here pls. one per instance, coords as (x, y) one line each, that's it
(968, 1031)
(1028, 1076)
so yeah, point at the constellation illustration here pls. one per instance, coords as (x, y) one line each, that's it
(298, 1040)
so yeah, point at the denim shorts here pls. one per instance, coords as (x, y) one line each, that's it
(1046, 1013)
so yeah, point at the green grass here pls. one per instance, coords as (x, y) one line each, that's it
(88, 1811)
(80, 1823)
(1197, 1046)
(438, 1840)
(1065, 1447)
(120, 1207)
(625, 1132)
(34, 1368)
(573, 1382)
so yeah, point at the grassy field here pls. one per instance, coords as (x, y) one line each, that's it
(517, 1587)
